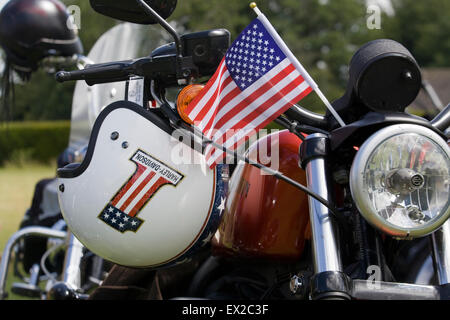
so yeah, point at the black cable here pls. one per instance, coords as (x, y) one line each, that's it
(276, 174)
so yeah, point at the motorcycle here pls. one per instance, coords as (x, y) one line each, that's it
(370, 223)
(47, 259)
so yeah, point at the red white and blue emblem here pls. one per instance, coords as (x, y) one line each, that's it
(150, 176)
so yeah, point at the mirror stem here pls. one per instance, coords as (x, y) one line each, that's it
(149, 10)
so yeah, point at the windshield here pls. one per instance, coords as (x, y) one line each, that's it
(122, 42)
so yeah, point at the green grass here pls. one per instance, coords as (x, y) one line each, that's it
(16, 192)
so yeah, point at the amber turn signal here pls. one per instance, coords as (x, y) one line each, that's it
(185, 97)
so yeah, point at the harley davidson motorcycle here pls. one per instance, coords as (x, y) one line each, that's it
(371, 223)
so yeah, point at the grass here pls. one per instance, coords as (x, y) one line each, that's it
(16, 193)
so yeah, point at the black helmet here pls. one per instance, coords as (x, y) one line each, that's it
(31, 30)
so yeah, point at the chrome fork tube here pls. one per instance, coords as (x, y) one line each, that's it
(324, 240)
(441, 253)
(329, 280)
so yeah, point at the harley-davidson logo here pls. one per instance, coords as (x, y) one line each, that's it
(151, 174)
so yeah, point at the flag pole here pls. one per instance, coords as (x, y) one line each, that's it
(296, 63)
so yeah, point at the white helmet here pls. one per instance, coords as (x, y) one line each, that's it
(130, 202)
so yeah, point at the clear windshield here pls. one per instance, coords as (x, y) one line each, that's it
(123, 42)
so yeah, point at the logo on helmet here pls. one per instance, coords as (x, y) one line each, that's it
(150, 176)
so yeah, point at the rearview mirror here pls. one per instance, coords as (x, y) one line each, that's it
(130, 11)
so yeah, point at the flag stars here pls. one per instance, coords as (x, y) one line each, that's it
(252, 55)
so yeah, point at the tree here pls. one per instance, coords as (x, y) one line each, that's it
(423, 27)
(322, 34)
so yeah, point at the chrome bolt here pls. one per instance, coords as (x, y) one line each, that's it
(125, 145)
(296, 284)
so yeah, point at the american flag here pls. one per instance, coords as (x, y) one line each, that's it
(255, 83)
(150, 175)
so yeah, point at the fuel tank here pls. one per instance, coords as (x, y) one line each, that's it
(266, 217)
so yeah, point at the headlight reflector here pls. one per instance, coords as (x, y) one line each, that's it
(400, 180)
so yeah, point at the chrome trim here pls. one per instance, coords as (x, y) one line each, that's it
(359, 193)
(72, 262)
(30, 231)
(441, 253)
(324, 242)
(366, 290)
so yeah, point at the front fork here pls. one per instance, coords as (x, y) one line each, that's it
(329, 280)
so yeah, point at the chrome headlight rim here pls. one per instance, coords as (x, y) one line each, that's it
(359, 193)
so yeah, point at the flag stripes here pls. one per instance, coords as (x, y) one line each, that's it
(254, 84)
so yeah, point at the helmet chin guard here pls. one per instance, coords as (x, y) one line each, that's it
(132, 201)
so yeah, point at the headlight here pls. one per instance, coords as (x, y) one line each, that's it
(400, 181)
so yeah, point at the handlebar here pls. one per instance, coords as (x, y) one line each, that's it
(163, 66)
(98, 73)
(306, 117)
(442, 120)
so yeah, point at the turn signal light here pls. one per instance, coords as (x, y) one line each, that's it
(185, 97)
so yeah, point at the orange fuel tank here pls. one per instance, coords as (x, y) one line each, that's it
(266, 217)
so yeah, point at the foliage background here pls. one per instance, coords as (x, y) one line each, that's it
(323, 34)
